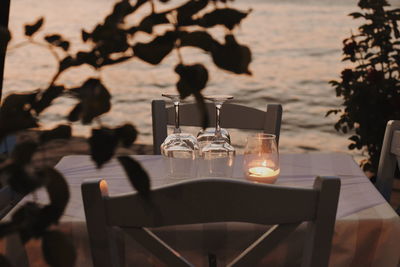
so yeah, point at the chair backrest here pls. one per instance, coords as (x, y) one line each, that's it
(389, 159)
(187, 203)
(232, 116)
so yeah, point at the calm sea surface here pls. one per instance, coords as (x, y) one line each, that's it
(296, 48)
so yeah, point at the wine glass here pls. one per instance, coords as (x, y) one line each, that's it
(217, 157)
(205, 136)
(261, 158)
(179, 149)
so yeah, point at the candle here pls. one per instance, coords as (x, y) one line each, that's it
(262, 174)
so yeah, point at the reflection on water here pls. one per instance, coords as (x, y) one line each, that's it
(296, 48)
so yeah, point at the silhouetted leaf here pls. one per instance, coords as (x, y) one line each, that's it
(187, 10)
(58, 191)
(89, 58)
(199, 39)
(64, 45)
(356, 15)
(120, 11)
(232, 56)
(109, 61)
(193, 78)
(20, 180)
(25, 218)
(58, 249)
(85, 36)
(103, 143)
(32, 29)
(225, 16)
(5, 37)
(74, 114)
(155, 51)
(109, 39)
(136, 174)
(66, 63)
(47, 97)
(126, 134)
(95, 100)
(23, 152)
(4, 262)
(147, 24)
(15, 113)
(60, 132)
(52, 38)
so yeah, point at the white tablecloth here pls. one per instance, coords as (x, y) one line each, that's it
(366, 231)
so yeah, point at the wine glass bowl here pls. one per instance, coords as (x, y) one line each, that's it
(179, 149)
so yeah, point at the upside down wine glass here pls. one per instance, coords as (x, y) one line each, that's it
(217, 157)
(179, 149)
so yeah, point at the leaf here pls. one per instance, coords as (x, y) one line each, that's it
(356, 15)
(187, 10)
(74, 114)
(103, 143)
(226, 16)
(85, 36)
(47, 97)
(25, 218)
(193, 78)
(66, 63)
(52, 38)
(19, 179)
(32, 29)
(147, 24)
(200, 39)
(15, 113)
(126, 134)
(156, 50)
(95, 100)
(58, 190)
(137, 175)
(58, 249)
(5, 37)
(60, 132)
(232, 56)
(334, 111)
(23, 152)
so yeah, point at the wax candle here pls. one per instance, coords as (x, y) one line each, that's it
(262, 174)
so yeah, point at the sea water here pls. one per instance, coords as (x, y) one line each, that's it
(296, 47)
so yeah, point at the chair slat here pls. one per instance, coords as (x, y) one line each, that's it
(395, 147)
(220, 203)
(263, 245)
(158, 247)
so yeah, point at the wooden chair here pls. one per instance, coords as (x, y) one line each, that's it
(389, 159)
(187, 203)
(233, 116)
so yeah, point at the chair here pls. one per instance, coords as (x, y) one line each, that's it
(186, 203)
(390, 157)
(233, 116)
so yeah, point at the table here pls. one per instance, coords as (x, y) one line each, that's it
(366, 231)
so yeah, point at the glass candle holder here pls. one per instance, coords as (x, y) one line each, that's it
(261, 158)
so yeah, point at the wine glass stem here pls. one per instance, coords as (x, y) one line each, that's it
(176, 106)
(217, 119)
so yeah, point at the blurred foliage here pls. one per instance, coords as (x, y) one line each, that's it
(371, 87)
(112, 41)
